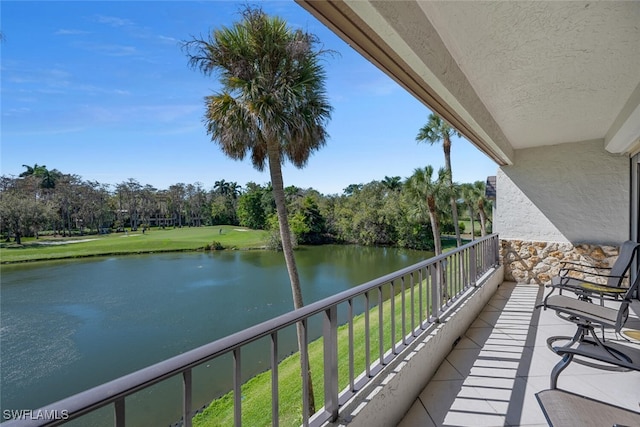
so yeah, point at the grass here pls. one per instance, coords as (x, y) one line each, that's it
(467, 226)
(256, 392)
(154, 240)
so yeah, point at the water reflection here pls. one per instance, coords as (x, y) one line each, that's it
(71, 325)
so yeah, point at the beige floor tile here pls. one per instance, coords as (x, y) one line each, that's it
(452, 403)
(417, 416)
(447, 372)
(492, 375)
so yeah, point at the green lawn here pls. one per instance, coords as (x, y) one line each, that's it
(154, 240)
(256, 393)
(467, 227)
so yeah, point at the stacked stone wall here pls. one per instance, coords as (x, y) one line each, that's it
(538, 262)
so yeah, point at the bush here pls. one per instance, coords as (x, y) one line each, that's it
(214, 246)
(274, 242)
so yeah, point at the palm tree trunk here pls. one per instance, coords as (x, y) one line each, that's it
(435, 229)
(277, 184)
(473, 224)
(483, 219)
(437, 247)
(454, 206)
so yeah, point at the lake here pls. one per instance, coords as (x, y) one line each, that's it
(66, 326)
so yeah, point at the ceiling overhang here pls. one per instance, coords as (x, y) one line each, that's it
(507, 75)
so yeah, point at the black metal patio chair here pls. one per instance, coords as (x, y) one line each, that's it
(588, 281)
(587, 317)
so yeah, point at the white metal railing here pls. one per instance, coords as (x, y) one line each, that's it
(423, 291)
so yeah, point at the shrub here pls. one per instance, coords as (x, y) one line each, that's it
(214, 246)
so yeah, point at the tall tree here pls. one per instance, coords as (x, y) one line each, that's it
(176, 199)
(392, 183)
(21, 214)
(36, 170)
(273, 105)
(481, 202)
(470, 199)
(427, 191)
(434, 131)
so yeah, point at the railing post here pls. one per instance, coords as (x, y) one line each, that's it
(186, 398)
(119, 413)
(367, 338)
(330, 334)
(473, 266)
(306, 375)
(392, 310)
(435, 292)
(237, 388)
(403, 310)
(352, 386)
(380, 326)
(275, 402)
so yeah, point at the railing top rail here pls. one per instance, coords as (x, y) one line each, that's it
(104, 394)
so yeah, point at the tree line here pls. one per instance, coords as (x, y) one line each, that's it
(390, 211)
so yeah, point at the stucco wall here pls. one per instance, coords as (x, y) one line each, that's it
(571, 193)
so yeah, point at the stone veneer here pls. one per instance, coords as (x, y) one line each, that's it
(538, 262)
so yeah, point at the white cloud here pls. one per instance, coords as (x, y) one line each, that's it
(113, 21)
(167, 39)
(16, 111)
(68, 32)
(110, 49)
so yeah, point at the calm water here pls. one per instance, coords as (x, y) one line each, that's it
(68, 326)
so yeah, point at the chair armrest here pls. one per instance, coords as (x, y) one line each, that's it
(579, 264)
(567, 270)
(580, 267)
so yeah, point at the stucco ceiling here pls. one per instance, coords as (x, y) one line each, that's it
(507, 74)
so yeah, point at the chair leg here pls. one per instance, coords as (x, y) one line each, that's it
(613, 353)
(560, 366)
(577, 337)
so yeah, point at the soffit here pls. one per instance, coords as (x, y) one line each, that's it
(549, 72)
(508, 75)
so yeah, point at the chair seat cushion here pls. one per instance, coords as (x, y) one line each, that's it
(562, 408)
(583, 309)
(592, 287)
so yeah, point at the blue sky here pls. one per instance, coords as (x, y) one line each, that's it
(103, 90)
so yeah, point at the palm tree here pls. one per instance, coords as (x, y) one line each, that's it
(424, 189)
(36, 170)
(470, 199)
(392, 183)
(481, 201)
(46, 179)
(421, 187)
(234, 189)
(434, 131)
(221, 187)
(273, 105)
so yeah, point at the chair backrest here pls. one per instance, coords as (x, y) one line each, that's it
(622, 264)
(623, 312)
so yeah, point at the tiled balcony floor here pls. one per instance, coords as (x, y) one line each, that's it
(491, 376)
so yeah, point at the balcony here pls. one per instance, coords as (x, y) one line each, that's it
(472, 352)
(492, 374)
